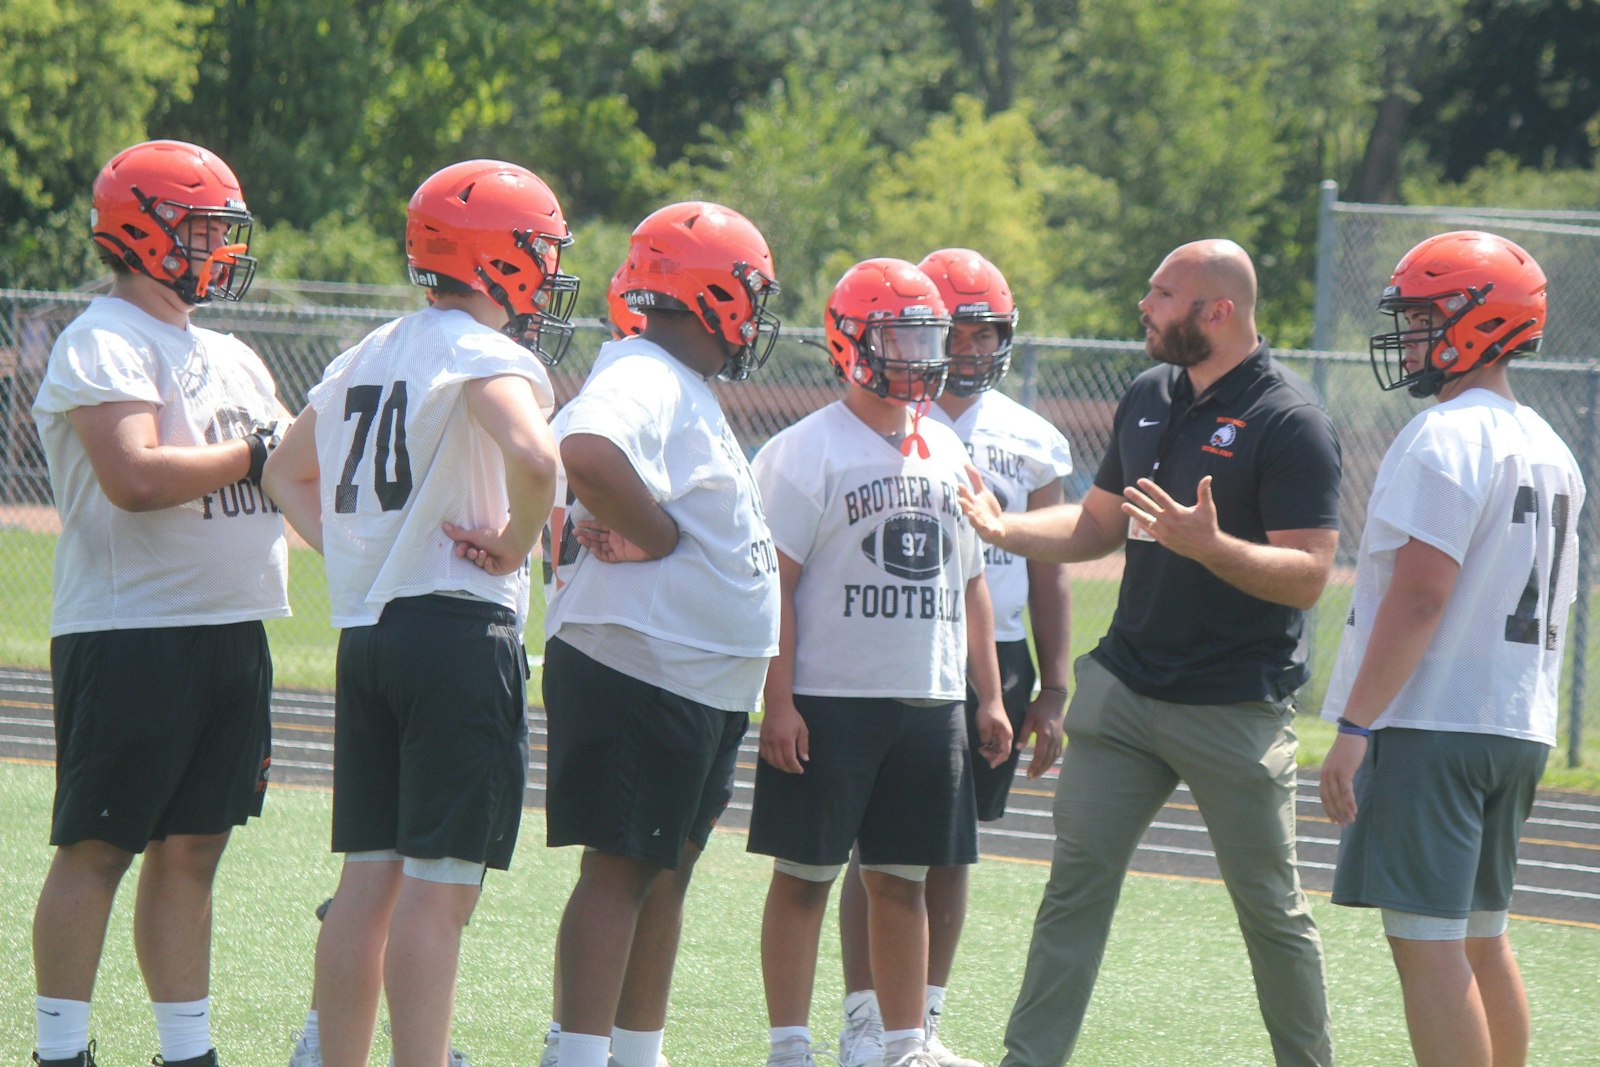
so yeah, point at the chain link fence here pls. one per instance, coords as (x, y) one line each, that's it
(1075, 384)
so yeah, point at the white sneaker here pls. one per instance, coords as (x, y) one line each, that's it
(791, 1052)
(304, 1055)
(861, 1040)
(920, 1058)
(936, 1048)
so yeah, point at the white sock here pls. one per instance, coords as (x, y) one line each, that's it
(584, 1050)
(62, 1027)
(553, 1034)
(899, 1043)
(777, 1035)
(311, 1037)
(935, 1000)
(854, 1001)
(636, 1048)
(184, 1028)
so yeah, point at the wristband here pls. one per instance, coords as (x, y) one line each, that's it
(258, 456)
(1053, 689)
(1348, 727)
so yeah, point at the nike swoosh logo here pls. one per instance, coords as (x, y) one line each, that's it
(47, 1011)
(1149, 422)
(190, 1014)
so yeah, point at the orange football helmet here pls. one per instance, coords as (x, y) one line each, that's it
(974, 290)
(712, 262)
(1489, 297)
(496, 228)
(886, 330)
(625, 322)
(173, 211)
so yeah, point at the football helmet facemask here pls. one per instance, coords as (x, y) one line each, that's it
(1487, 296)
(974, 291)
(712, 262)
(174, 212)
(496, 228)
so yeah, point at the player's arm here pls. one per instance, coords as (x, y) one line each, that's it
(1050, 618)
(1407, 617)
(785, 741)
(605, 482)
(139, 473)
(983, 673)
(1065, 533)
(292, 478)
(507, 409)
(1291, 568)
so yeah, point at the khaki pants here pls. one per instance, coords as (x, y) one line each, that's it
(1126, 755)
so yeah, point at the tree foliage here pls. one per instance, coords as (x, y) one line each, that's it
(1073, 141)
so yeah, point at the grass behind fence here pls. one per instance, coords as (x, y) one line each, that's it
(1175, 989)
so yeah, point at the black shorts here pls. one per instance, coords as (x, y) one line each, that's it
(431, 732)
(993, 784)
(895, 778)
(159, 731)
(634, 769)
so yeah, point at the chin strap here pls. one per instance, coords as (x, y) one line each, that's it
(914, 438)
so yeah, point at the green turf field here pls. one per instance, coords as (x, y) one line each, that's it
(1174, 992)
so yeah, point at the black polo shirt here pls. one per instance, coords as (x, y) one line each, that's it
(1180, 633)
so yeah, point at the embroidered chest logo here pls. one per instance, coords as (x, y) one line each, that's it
(1223, 437)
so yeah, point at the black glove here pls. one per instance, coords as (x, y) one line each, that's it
(262, 440)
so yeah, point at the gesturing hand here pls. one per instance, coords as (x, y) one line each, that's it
(1190, 532)
(982, 507)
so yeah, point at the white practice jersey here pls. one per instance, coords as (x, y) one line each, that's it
(1017, 451)
(886, 555)
(702, 621)
(401, 455)
(1487, 482)
(220, 558)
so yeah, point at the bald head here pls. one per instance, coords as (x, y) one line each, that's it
(1220, 267)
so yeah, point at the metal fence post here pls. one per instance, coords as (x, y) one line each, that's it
(1586, 554)
(1327, 236)
(1030, 375)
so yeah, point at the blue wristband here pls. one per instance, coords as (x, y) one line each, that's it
(1348, 727)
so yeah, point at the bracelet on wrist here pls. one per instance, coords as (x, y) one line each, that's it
(1348, 727)
(1053, 689)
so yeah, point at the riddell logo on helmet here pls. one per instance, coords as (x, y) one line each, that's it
(425, 278)
(979, 308)
(640, 298)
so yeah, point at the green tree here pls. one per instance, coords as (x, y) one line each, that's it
(988, 183)
(1171, 104)
(796, 166)
(77, 80)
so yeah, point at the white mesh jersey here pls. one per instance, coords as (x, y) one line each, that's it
(703, 620)
(218, 559)
(400, 455)
(1487, 482)
(886, 555)
(1017, 451)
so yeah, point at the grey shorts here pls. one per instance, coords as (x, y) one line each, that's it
(1437, 822)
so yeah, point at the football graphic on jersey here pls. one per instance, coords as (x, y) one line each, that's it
(908, 545)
